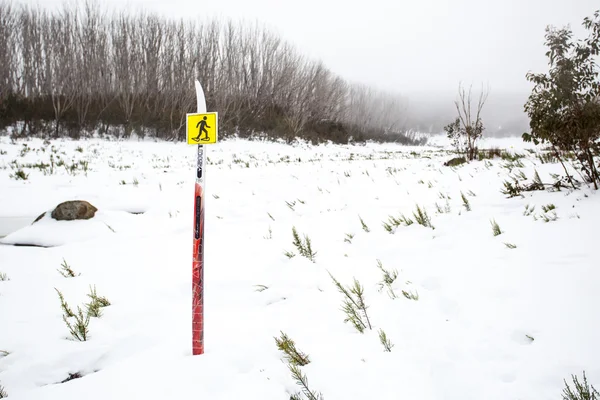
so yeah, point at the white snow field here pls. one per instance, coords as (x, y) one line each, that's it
(480, 320)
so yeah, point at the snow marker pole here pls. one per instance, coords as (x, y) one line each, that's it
(198, 250)
(201, 129)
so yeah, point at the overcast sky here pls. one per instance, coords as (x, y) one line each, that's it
(415, 47)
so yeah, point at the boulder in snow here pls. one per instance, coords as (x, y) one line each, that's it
(72, 210)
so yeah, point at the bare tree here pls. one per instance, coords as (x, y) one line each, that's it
(7, 54)
(127, 58)
(58, 37)
(90, 38)
(465, 130)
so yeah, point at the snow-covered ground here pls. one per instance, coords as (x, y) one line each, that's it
(480, 320)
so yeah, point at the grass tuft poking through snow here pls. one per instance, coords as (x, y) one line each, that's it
(20, 175)
(348, 238)
(582, 391)
(291, 353)
(80, 330)
(270, 235)
(394, 222)
(304, 247)
(466, 203)
(387, 344)
(302, 381)
(496, 228)
(528, 210)
(94, 307)
(388, 279)
(66, 271)
(296, 359)
(354, 305)
(64, 305)
(422, 217)
(410, 295)
(364, 225)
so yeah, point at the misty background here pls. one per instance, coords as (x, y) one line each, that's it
(420, 51)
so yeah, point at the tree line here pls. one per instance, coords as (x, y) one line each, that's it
(81, 69)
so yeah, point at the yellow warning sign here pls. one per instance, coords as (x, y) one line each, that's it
(202, 128)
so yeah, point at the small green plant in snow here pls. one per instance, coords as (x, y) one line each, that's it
(549, 217)
(466, 203)
(422, 217)
(388, 279)
(296, 359)
(364, 226)
(94, 307)
(581, 391)
(387, 344)
(354, 305)
(64, 305)
(495, 228)
(394, 222)
(548, 207)
(270, 235)
(302, 381)
(304, 247)
(79, 331)
(289, 254)
(410, 295)
(292, 355)
(20, 175)
(528, 210)
(66, 271)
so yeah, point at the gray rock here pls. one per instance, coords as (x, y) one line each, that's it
(72, 210)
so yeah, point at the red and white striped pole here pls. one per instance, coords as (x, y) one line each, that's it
(198, 250)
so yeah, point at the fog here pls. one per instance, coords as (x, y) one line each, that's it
(421, 49)
(503, 113)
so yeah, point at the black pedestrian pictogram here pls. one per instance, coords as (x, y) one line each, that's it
(203, 125)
